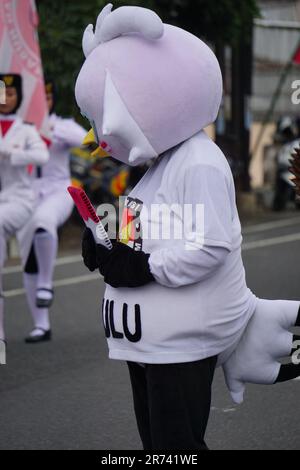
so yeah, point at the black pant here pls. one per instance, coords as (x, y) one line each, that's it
(172, 403)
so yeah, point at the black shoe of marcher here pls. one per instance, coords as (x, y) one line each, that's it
(44, 303)
(45, 335)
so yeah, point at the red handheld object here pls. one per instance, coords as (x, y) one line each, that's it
(83, 204)
(89, 215)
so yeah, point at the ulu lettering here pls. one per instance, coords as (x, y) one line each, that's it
(108, 315)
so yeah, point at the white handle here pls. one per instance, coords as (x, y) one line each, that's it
(99, 233)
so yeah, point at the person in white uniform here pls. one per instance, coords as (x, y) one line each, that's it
(176, 298)
(38, 238)
(20, 149)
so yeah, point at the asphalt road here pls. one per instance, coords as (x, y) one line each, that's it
(68, 395)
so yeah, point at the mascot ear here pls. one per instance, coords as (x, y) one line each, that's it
(124, 20)
(90, 40)
(118, 122)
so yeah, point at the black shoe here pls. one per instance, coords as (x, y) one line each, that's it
(45, 335)
(44, 303)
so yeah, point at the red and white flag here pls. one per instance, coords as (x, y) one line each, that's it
(20, 53)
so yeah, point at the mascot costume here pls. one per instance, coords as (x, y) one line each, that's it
(174, 307)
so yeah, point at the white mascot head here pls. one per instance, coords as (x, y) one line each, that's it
(145, 86)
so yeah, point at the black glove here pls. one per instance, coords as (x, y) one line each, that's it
(120, 267)
(89, 250)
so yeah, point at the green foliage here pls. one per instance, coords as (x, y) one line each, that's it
(62, 24)
(216, 20)
(61, 28)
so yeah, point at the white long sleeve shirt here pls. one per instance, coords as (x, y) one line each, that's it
(199, 305)
(64, 134)
(25, 147)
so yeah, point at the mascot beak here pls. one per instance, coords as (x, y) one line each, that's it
(90, 139)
